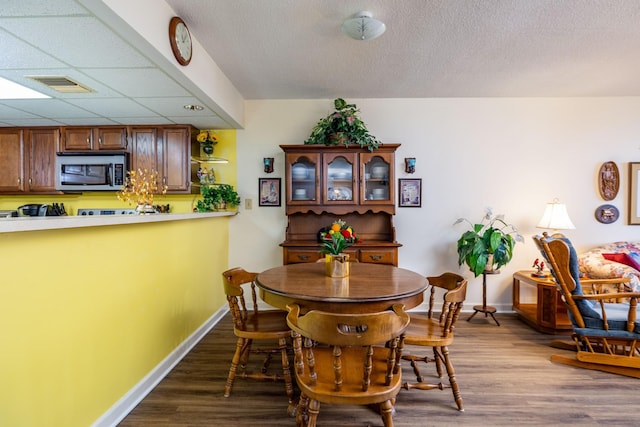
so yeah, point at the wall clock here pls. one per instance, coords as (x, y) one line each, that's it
(180, 40)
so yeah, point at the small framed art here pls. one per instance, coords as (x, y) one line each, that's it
(634, 194)
(269, 191)
(410, 193)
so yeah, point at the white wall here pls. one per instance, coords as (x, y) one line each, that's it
(511, 154)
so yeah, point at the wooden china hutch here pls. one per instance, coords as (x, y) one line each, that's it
(326, 183)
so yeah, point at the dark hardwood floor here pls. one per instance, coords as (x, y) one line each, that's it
(504, 373)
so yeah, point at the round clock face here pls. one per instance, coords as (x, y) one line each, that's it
(180, 40)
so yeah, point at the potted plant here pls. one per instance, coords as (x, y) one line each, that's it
(343, 126)
(207, 140)
(217, 197)
(488, 245)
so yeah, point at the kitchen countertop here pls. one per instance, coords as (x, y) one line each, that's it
(13, 225)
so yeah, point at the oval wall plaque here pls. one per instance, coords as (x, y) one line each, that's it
(607, 214)
(608, 181)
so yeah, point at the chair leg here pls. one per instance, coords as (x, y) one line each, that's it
(452, 378)
(314, 409)
(386, 413)
(303, 411)
(286, 370)
(244, 359)
(438, 360)
(240, 346)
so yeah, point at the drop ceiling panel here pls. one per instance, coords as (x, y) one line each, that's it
(41, 8)
(113, 107)
(52, 108)
(7, 112)
(77, 41)
(19, 54)
(134, 82)
(174, 106)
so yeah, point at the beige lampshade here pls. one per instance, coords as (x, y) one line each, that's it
(555, 217)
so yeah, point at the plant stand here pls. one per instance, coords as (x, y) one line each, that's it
(484, 308)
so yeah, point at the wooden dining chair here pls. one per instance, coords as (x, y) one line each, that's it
(254, 324)
(347, 359)
(437, 333)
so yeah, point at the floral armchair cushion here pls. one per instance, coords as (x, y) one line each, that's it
(594, 263)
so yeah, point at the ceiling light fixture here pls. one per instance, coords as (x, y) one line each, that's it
(363, 27)
(13, 90)
(193, 107)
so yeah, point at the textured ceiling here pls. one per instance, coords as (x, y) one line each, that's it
(294, 49)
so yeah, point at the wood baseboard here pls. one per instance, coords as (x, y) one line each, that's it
(122, 407)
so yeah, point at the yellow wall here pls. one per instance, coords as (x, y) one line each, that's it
(86, 313)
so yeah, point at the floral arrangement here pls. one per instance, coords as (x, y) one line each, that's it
(343, 126)
(337, 237)
(489, 243)
(207, 138)
(140, 187)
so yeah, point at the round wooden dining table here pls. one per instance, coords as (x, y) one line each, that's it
(369, 288)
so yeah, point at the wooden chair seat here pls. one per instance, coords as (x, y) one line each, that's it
(253, 324)
(425, 332)
(437, 333)
(270, 324)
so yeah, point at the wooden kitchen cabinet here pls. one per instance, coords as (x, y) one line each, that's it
(27, 160)
(324, 184)
(176, 154)
(166, 149)
(104, 138)
(12, 168)
(42, 144)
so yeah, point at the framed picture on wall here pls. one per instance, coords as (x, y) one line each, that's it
(410, 193)
(634, 197)
(269, 191)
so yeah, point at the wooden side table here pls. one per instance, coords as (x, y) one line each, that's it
(548, 313)
(484, 308)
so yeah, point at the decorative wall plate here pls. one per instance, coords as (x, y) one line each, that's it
(608, 180)
(607, 214)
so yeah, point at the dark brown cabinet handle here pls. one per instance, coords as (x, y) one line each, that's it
(375, 257)
(303, 257)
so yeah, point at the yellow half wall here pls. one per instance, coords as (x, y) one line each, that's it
(87, 313)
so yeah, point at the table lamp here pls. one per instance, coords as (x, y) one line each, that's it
(555, 217)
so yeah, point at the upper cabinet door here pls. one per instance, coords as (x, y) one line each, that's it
(340, 173)
(12, 160)
(42, 145)
(77, 139)
(302, 171)
(111, 138)
(176, 149)
(377, 171)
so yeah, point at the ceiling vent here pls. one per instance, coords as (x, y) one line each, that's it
(61, 84)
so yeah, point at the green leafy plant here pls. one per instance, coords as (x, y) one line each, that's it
(343, 126)
(491, 238)
(217, 197)
(337, 237)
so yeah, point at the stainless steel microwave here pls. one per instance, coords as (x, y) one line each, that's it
(91, 171)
